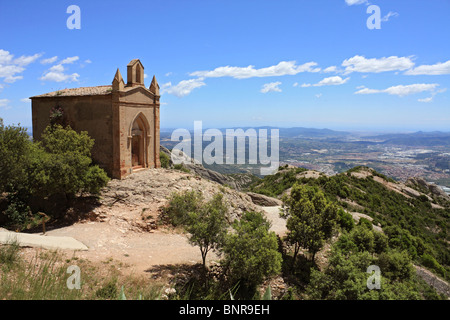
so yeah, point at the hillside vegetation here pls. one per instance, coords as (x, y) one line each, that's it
(414, 218)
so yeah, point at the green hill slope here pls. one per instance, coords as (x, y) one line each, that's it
(415, 219)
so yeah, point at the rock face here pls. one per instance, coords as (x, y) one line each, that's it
(199, 169)
(264, 201)
(421, 184)
(154, 187)
(440, 285)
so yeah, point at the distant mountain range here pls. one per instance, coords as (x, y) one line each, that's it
(419, 138)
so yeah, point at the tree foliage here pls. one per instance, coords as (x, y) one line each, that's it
(60, 164)
(250, 251)
(311, 218)
(207, 226)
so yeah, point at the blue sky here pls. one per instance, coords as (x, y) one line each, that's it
(311, 63)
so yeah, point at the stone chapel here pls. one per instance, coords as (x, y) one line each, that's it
(122, 118)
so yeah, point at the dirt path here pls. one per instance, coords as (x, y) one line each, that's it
(139, 250)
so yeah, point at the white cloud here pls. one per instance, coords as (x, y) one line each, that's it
(10, 68)
(49, 60)
(434, 69)
(56, 73)
(70, 60)
(145, 76)
(281, 69)
(353, 2)
(361, 64)
(330, 81)
(295, 84)
(318, 96)
(168, 74)
(183, 88)
(402, 90)
(426, 100)
(26, 60)
(87, 61)
(330, 69)
(389, 15)
(271, 87)
(26, 100)
(433, 94)
(4, 103)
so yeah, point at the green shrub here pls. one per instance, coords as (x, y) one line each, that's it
(365, 223)
(180, 205)
(396, 265)
(164, 159)
(430, 262)
(363, 239)
(207, 226)
(181, 168)
(251, 252)
(345, 220)
(311, 219)
(17, 212)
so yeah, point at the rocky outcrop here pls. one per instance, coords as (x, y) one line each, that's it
(154, 187)
(440, 285)
(236, 182)
(429, 188)
(264, 201)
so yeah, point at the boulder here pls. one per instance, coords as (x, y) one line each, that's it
(264, 201)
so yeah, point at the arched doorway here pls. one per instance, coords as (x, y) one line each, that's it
(139, 131)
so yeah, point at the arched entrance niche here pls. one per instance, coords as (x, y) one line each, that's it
(139, 133)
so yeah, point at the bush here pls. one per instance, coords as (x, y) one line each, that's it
(17, 212)
(208, 225)
(164, 159)
(62, 164)
(396, 265)
(181, 168)
(251, 252)
(363, 239)
(15, 151)
(311, 219)
(430, 262)
(180, 205)
(33, 173)
(345, 220)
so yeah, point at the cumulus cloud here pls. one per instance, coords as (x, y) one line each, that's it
(10, 68)
(70, 60)
(330, 81)
(433, 69)
(377, 65)
(271, 87)
(330, 69)
(183, 88)
(402, 90)
(281, 69)
(49, 60)
(57, 72)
